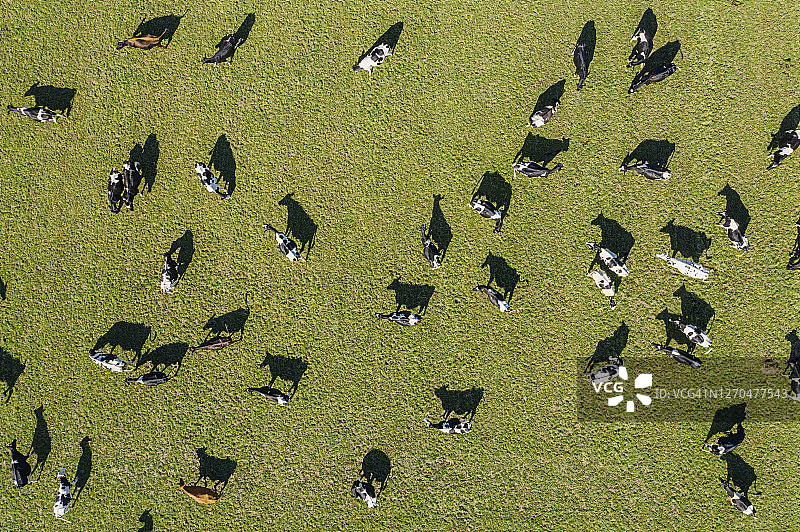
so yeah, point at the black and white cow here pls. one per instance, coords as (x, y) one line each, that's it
(364, 491)
(794, 379)
(154, 378)
(611, 260)
(738, 500)
(132, 177)
(64, 496)
(429, 250)
(604, 283)
(685, 266)
(225, 51)
(287, 246)
(532, 169)
(487, 210)
(642, 48)
(273, 394)
(20, 469)
(727, 443)
(790, 142)
(403, 317)
(581, 59)
(452, 426)
(693, 334)
(657, 74)
(209, 181)
(543, 115)
(169, 274)
(650, 171)
(37, 114)
(738, 240)
(115, 189)
(374, 57)
(679, 355)
(494, 297)
(215, 343)
(109, 361)
(607, 372)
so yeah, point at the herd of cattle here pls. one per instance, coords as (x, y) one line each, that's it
(122, 188)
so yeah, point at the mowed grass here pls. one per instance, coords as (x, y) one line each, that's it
(364, 157)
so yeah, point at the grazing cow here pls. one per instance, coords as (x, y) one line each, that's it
(115, 188)
(209, 181)
(201, 494)
(487, 210)
(738, 240)
(727, 443)
(286, 244)
(37, 114)
(543, 115)
(642, 48)
(678, 354)
(364, 491)
(790, 142)
(452, 426)
(169, 275)
(603, 282)
(738, 500)
(227, 47)
(403, 317)
(685, 266)
(611, 260)
(532, 169)
(132, 179)
(273, 394)
(693, 334)
(581, 59)
(20, 469)
(607, 372)
(154, 378)
(494, 297)
(374, 57)
(429, 249)
(144, 42)
(64, 497)
(650, 171)
(109, 361)
(216, 343)
(657, 74)
(794, 379)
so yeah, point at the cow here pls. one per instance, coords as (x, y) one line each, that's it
(581, 59)
(693, 333)
(115, 189)
(642, 48)
(273, 394)
(37, 114)
(611, 260)
(727, 443)
(532, 169)
(603, 282)
(738, 240)
(169, 275)
(376, 55)
(494, 297)
(143, 42)
(650, 171)
(429, 249)
(154, 378)
(287, 246)
(543, 115)
(201, 494)
(657, 74)
(738, 500)
(209, 181)
(790, 142)
(685, 266)
(403, 317)
(109, 361)
(226, 49)
(364, 491)
(64, 496)
(452, 426)
(487, 210)
(679, 355)
(20, 468)
(132, 178)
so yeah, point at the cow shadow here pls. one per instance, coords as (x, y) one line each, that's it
(375, 469)
(41, 444)
(694, 309)
(610, 348)
(218, 471)
(147, 522)
(495, 189)
(550, 96)
(84, 468)
(735, 208)
(653, 152)
(148, 159)
(3, 289)
(740, 473)
(659, 58)
(299, 223)
(166, 24)
(438, 229)
(243, 33)
(789, 123)
(411, 296)
(688, 242)
(725, 419)
(588, 37)
(58, 99)
(462, 403)
(10, 370)
(541, 150)
(390, 38)
(125, 335)
(504, 276)
(165, 356)
(614, 237)
(794, 346)
(794, 257)
(290, 369)
(223, 162)
(231, 322)
(648, 23)
(185, 248)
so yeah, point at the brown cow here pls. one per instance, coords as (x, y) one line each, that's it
(201, 494)
(145, 42)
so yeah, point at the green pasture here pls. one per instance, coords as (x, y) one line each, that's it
(364, 156)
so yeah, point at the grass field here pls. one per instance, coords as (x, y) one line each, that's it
(364, 157)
